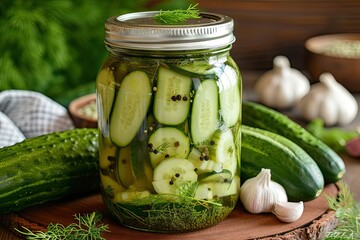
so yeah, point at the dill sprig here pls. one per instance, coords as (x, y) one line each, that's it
(347, 211)
(162, 148)
(178, 15)
(88, 227)
(173, 212)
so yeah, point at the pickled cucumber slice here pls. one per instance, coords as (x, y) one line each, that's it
(172, 173)
(124, 168)
(196, 70)
(209, 166)
(204, 191)
(111, 185)
(223, 150)
(204, 115)
(105, 83)
(229, 96)
(195, 157)
(231, 165)
(107, 153)
(168, 142)
(172, 97)
(211, 190)
(225, 189)
(140, 163)
(224, 177)
(129, 196)
(130, 108)
(202, 164)
(223, 146)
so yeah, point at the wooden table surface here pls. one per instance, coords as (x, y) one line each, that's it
(352, 176)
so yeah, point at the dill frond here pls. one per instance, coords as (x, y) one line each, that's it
(87, 227)
(178, 15)
(347, 211)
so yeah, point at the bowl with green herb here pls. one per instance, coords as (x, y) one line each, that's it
(83, 111)
(338, 54)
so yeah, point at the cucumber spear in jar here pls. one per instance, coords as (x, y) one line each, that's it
(172, 97)
(130, 108)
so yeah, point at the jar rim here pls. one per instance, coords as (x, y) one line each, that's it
(139, 30)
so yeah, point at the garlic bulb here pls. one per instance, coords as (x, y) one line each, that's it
(329, 101)
(288, 211)
(283, 86)
(259, 194)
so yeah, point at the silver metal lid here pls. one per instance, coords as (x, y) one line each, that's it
(140, 31)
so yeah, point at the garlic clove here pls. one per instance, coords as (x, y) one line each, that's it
(279, 191)
(259, 194)
(288, 211)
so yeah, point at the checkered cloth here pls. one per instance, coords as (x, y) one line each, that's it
(26, 114)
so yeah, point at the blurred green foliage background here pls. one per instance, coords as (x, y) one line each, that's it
(57, 46)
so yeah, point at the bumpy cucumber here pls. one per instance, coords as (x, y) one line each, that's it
(229, 96)
(168, 142)
(48, 167)
(172, 173)
(204, 117)
(330, 164)
(290, 165)
(130, 108)
(172, 97)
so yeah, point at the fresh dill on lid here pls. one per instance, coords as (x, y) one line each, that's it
(178, 15)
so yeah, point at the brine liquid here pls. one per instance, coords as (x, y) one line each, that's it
(171, 216)
(127, 171)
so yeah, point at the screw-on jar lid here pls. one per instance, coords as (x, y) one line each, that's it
(140, 31)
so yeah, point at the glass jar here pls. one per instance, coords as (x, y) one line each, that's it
(169, 114)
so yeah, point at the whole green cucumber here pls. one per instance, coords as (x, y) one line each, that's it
(48, 167)
(260, 116)
(290, 165)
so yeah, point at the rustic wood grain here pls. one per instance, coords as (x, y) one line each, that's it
(265, 29)
(352, 175)
(239, 224)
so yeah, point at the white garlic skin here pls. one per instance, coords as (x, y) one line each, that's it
(279, 191)
(330, 101)
(288, 211)
(259, 194)
(281, 87)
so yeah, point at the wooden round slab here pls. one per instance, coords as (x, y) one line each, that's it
(315, 222)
